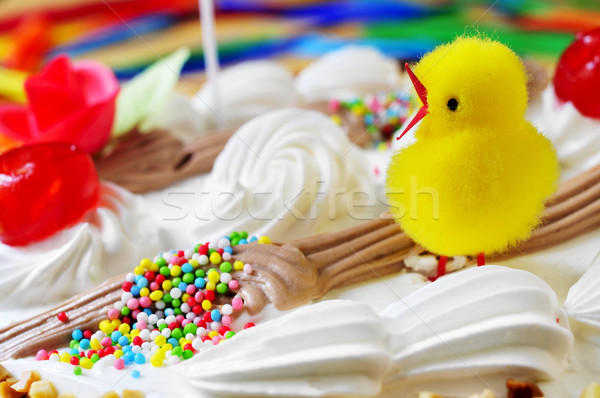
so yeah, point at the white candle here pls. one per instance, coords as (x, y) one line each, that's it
(211, 56)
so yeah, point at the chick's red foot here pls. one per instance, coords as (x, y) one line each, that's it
(480, 259)
(441, 268)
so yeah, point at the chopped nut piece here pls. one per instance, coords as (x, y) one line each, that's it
(7, 392)
(4, 373)
(42, 389)
(27, 378)
(591, 391)
(522, 389)
(110, 394)
(133, 394)
(429, 394)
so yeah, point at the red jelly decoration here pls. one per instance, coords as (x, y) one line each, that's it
(62, 317)
(44, 188)
(577, 77)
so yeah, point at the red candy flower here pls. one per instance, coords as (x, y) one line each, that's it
(68, 102)
(43, 189)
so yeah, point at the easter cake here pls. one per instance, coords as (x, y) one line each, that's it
(395, 334)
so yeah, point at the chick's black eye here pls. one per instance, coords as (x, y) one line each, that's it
(452, 104)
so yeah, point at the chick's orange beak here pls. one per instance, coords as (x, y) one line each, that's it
(422, 93)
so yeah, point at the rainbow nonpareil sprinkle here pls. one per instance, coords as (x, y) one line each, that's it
(382, 113)
(170, 307)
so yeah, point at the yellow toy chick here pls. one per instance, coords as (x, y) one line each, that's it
(476, 178)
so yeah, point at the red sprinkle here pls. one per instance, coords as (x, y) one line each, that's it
(207, 317)
(137, 340)
(249, 325)
(188, 346)
(74, 360)
(204, 338)
(197, 309)
(109, 350)
(126, 320)
(223, 330)
(101, 353)
(201, 324)
(90, 353)
(160, 278)
(87, 334)
(127, 286)
(180, 253)
(209, 295)
(62, 317)
(173, 325)
(150, 276)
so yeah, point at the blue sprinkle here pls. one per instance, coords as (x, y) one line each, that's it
(173, 341)
(139, 358)
(84, 344)
(242, 242)
(200, 283)
(137, 278)
(215, 315)
(182, 286)
(148, 311)
(229, 249)
(73, 351)
(187, 267)
(135, 290)
(126, 349)
(135, 374)
(143, 282)
(123, 341)
(169, 311)
(77, 334)
(253, 239)
(129, 357)
(116, 335)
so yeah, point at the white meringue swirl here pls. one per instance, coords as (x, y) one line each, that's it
(247, 90)
(478, 324)
(285, 174)
(110, 239)
(583, 301)
(350, 72)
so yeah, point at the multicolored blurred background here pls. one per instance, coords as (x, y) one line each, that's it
(128, 35)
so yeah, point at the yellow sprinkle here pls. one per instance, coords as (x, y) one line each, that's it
(146, 263)
(156, 361)
(176, 270)
(167, 285)
(118, 354)
(156, 295)
(135, 332)
(87, 363)
(211, 286)
(194, 263)
(185, 297)
(213, 276)
(124, 328)
(144, 291)
(213, 334)
(65, 357)
(215, 258)
(206, 305)
(139, 270)
(160, 340)
(264, 240)
(115, 323)
(95, 344)
(336, 119)
(183, 341)
(167, 347)
(238, 265)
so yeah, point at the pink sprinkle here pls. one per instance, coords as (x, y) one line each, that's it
(199, 297)
(226, 320)
(106, 341)
(247, 269)
(237, 303)
(174, 260)
(185, 322)
(135, 313)
(216, 339)
(132, 304)
(113, 314)
(376, 171)
(180, 319)
(234, 285)
(41, 355)
(334, 105)
(154, 286)
(197, 320)
(141, 325)
(190, 289)
(119, 364)
(145, 302)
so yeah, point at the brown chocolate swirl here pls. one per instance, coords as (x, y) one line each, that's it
(291, 274)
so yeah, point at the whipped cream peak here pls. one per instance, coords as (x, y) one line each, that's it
(109, 239)
(576, 137)
(348, 73)
(247, 90)
(471, 325)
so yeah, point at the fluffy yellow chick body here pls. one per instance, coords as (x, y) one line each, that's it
(476, 178)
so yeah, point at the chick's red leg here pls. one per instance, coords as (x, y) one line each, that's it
(441, 268)
(480, 259)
